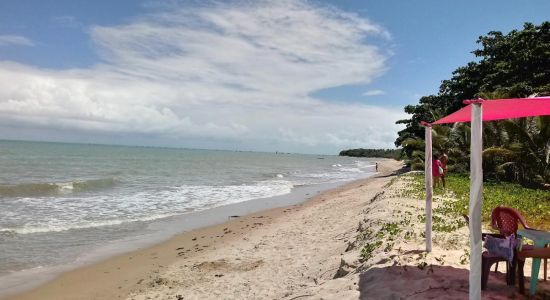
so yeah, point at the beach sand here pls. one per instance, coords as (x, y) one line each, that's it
(305, 251)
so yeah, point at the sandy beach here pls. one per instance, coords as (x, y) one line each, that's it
(305, 251)
(293, 150)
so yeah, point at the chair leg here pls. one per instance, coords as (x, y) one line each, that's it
(485, 269)
(496, 267)
(521, 277)
(512, 271)
(508, 278)
(545, 265)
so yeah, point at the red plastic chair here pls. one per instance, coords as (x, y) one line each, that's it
(489, 259)
(506, 220)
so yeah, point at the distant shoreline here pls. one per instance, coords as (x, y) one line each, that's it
(374, 153)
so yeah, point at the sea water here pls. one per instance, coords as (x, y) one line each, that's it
(58, 201)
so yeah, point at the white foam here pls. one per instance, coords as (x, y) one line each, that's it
(76, 211)
(58, 228)
(61, 214)
(338, 173)
(65, 186)
(354, 170)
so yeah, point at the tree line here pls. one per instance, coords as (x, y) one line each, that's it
(384, 153)
(512, 65)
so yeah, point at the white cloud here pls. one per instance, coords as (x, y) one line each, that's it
(374, 93)
(15, 40)
(237, 73)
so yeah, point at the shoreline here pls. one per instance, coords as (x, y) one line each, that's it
(165, 230)
(210, 223)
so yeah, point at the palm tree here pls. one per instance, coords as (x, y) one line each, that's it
(519, 150)
(440, 144)
(415, 147)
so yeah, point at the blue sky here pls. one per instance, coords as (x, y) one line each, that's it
(432, 38)
(298, 76)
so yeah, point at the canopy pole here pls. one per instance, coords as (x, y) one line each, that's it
(429, 185)
(476, 199)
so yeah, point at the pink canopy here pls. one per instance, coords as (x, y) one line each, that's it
(476, 112)
(499, 109)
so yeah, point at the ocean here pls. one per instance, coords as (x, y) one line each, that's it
(59, 201)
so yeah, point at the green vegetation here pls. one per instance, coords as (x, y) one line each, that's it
(389, 247)
(387, 233)
(452, 203)
(368, 249)
(389, 230)
(465, 258)
(364, 235)
(533, 204)
(384, 153)
(507, 66)
(441, 259)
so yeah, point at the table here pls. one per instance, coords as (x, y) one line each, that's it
(541, 239)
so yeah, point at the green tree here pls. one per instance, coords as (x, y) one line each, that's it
(523, 154)
(508, 65)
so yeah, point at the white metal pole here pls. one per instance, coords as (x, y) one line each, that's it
(429, 187)
(476, 200)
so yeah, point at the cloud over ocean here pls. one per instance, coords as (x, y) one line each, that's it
(232, 76)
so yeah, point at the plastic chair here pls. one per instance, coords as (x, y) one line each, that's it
(488, 259)
(506, 220)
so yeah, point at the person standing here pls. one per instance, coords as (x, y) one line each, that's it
(437, 171)
(444, 159)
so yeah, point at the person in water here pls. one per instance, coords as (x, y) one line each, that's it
(444, 159)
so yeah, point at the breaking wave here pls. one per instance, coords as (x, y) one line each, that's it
(57, 188)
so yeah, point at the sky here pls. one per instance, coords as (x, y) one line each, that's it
(286, 76)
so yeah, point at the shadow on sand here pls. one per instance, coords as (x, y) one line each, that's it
(395, 173)
(434, 282)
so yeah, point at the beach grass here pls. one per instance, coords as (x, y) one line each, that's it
(453, 201)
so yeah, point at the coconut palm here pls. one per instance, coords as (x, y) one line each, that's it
(519, 150)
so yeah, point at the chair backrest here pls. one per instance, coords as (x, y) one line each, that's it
(506, 220)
